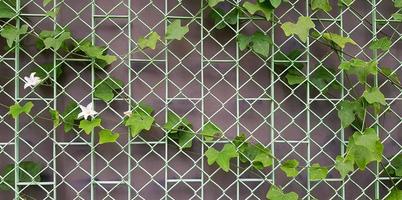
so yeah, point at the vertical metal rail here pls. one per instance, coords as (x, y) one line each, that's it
(93, 2)
(129, 48)
(237, 65)
(375, 58)
(16, 97)
(342, 131)
(166, 102)
(272, 97)
(308, 131)
(55, 65)
(202, 95)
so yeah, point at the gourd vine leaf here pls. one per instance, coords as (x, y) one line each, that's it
(258, 7)
(16, 110)
(389, 73)
(179, 130)
(383, 44)
(321, 4)
(70, 115)
(213, 3)
(96, 53)
(396, 194)
(106, 89)
(222, 19)
(364, 148)
(374, 95)
(275, 193)
(46, 2)
(301, 28)
(290, 168)
(223, 157)
(28, 171)
(11, 33)
(89, 125)
(149, 42)
(359, 68)
(317, 172)
(107, 136)
(55, 116)
(210, 131)
(7, 9)
(397, 17)
(344, 166)
(53, 13)
(295, 77)
(258, 42)
(323, 79)
(57, 37)
(274, 3)
(139, 121)
(339, 40)
(345, 2)
(396, 166)
(291, 59)
(258, 155)
(398, 3)
(57, 41)
(348, 110)
(45, 71)
(175, 31)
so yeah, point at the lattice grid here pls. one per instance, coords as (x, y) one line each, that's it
(204, 77)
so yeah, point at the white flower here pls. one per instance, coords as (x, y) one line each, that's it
(128, 113)
(31, 81)
(87, 111)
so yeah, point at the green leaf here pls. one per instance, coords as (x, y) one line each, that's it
(258, 42)
(275, 3)
(276, 193)
(70, 115)
(46, 2)
(383, 44)
(338, 39)
(374, 95)
(263, 159)
(398, 3)
(317, 172)
(349, 110)
(106, 89)
(258, 7)
(210, 131)
(345, 2)
(54, 114)
(397, 17)
(223, 157)
(7, 9)
(107, 136)
(16, 110)
(96, 52)
(344, 166)
(179, 130)
(56, 42)
(295, 77)
(149, 42)
(292, 57)
(359, 68)
(290, 168)
(365, 148)
(396, 194)
(175, 31)
(45, 71)
(213, 3)
(28, 171)
(396, 166)
(138, 122)
(323, 78)
(389, 73)
(321, 4)
(301, 28)
(222, 19)
(89, 126)
(53, 13)
(11, 33)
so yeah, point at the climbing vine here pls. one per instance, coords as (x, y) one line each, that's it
(363, 147)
